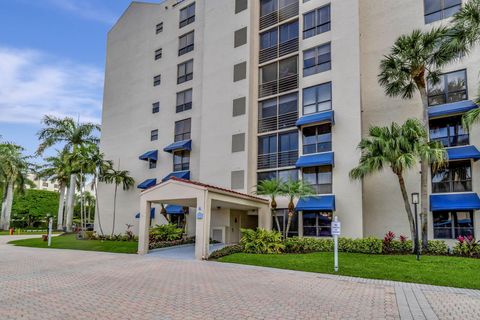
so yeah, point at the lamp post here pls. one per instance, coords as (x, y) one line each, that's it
(415, 201)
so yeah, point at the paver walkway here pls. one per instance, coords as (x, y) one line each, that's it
(68, 284)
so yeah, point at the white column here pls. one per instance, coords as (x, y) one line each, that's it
(300, 224)
(144, 227)
(202, 230)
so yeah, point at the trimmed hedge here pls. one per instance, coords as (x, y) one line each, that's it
(225, 251)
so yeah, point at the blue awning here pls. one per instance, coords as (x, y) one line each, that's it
(178, 174)
(454, 201)
(326, 116)
(451, 108)
(179, 145)
(152, 214)
(320, 203)
(316, 159)
(463, 153)
(173, 209)
(147, 184)
(150, 155)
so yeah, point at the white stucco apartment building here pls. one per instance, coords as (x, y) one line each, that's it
(230, 92)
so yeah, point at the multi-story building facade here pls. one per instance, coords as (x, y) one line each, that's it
(42, 184)
(231, 92)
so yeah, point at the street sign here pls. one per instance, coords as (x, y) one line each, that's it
(336, 228)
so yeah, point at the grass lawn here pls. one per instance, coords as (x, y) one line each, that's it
(70, 242)
(22, 233)
(436, 270)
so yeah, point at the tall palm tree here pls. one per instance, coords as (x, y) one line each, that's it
(294, 189)
(73, 135)
(57, 168)
(398, 148)
(414, 60)
(117, 177)
(271, 188)
(13, 172)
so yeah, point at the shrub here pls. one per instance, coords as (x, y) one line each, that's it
(261, 241)
(467, 247)
(437, 247)
(388, 246)
(307, 245)
(165, 232)
(164, 244)
(225, 251)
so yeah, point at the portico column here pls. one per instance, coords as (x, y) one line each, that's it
(202, 230)
(144, 226)
(300, 224)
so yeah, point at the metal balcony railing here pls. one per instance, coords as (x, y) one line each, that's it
(286, 120)
(280, 15)
(278, 86)
(277, 51)
(277, 160)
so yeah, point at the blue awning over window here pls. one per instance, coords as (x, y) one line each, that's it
(152, 214)
(451, 108)
(454, 201)
(179, 145)
(178, 174)
(147, 184)
(150, 155)
(316, 159)
(463, 153)
(326, 116)
(320, 203)
(173, 209)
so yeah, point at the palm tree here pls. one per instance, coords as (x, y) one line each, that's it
(73, 135)
(57, 168)
(399, 148)
(414, 60)
(13, 172)
(271, 188)
(294, 189)
(117, 177)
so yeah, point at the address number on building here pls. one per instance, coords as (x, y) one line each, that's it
(336, 228)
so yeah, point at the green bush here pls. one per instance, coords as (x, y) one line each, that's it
(225, 251)
(362, 245)
(261, 241)
(165, 232)
(437, 247)
(164, 244)
(307, 245)
(467, 247)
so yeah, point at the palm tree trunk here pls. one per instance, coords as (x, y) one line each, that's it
(289, 222)
(274, 213)
(4, 208)
(70, 201)
(114, 207)
(425, 168)
(61, 206)
(97, 206)
(7, 206)
(408, 209)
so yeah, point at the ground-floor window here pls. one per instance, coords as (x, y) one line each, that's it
(178, 220)
(452, 224)
(317, 224)
(282, 215)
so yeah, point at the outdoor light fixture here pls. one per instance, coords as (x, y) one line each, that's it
(415, 198)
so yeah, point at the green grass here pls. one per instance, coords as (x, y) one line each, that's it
(22, 233)
(435, 270)
(69, 241)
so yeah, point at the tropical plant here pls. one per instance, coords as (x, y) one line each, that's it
(294, 189)
(165, 232)
(117, 177)
(261, 241)
(271, 188)
(73, 135)
(31, 208)
(398, 148)
(465, 30)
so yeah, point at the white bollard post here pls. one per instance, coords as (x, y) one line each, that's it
(50, 224)
(335, 233)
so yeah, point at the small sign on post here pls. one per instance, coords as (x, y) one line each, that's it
(336, 230)
(50, 224)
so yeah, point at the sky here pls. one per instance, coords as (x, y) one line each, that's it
(52, 57)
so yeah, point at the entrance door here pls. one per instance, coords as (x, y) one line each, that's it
(235, 226)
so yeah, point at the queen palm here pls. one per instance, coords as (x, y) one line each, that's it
(271, 188)
(117, 177)
(398, 148)
(73, 135)
(414, 60)
(294, 189)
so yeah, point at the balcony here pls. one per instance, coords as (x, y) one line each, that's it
(277, 160)
(280, 15)
(281, 85)
(280, 50)
(282, 121)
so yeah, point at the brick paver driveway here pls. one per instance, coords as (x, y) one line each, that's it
(64, 284)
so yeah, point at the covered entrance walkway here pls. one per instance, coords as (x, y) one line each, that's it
(219, 213)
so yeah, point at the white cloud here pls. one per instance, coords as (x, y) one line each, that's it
(33, 84)
(87, 10)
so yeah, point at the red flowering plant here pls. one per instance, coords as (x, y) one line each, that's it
(467, 246)
(388, 242)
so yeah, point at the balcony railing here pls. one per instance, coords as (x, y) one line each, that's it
(276, 51)
(278, 86)
(454, 141)
(280, 15)
(277, 160)
(282, 121)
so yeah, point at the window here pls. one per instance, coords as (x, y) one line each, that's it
(187, 15)
(316, 22)
(268, 6)
(449, 131)
(182, 130)
(158, 54)
(186, 43)
(288, 67)
(456, 177)
(159, 27)
(451, 225)
(288, 141)
(269, 39)
(237, 179)
(240, 37)
(317, 60)
(277, 150)
(155, 107)
(181, 160)
(154, 135)
(452, 87)
(185, 72)
(440, 9)
(288, 31)
(267, 144)
(157, 80)
(152, 164)
(55, 186)
(239, 106)
(238, 142)
(317, 224)
(283, 175)
(240, 5)
(317, 98)
(317, 139)
(320, 178)
(278, 113)
(184, 100)
(45, 184)
(282, 215)
(239, 71)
